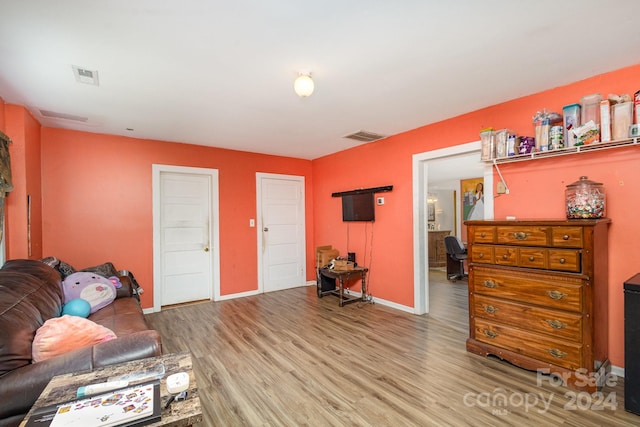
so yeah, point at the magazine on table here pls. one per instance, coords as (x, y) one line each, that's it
(137, 405)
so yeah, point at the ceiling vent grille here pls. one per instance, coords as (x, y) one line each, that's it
(83, 75)
(364, 136)
(56, 115)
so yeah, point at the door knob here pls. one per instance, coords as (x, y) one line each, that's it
(265, 229)
(206, 249)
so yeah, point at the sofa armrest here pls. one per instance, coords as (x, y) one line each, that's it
(126, 290)
(20, 388)
(136, 290)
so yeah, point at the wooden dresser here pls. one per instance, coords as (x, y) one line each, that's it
(538, 296)
(437, 250)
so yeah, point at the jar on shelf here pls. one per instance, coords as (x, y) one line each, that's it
(585, 199)
(487, 144)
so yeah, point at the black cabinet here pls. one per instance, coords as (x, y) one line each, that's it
(632, 344)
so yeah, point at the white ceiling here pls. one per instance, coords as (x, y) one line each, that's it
(220, 73)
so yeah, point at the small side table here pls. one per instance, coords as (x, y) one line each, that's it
(63, 388)
(341, 276)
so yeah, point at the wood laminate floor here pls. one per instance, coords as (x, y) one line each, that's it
(288, 358)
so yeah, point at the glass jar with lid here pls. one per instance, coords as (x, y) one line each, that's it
(585, 199)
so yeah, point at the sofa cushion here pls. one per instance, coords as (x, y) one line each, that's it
(26, 303)
(64, 334)
(123, 316)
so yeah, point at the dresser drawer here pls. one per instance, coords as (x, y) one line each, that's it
(556, 323)
(564, 260)
(546, 290)
(558, 352)
(482, 254)
(532, 258)
(505, 255)
(567, 237)
(482, 234)
(522, 235)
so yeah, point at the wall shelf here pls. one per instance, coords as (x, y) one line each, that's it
(564, 151)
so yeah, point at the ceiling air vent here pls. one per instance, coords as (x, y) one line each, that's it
(83, 75)
(55, 115)
(365, 136)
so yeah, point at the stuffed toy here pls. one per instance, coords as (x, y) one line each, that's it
(116, 282)
(97, 290)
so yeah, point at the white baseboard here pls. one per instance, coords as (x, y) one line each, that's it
(617, 371)
(383, 302)
(239, 295)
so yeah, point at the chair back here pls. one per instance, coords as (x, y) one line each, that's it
(453, 246)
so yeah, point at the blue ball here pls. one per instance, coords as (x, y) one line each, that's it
(77, 307)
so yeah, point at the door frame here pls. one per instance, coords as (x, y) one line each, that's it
(259, 223)
(420, 169)
(214, 228)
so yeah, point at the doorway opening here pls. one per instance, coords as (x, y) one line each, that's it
(458, 162)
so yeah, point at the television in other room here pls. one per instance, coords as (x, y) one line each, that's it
(358, 207)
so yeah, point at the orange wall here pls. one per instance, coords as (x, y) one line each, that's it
(97, 195)
(386, 247)
(536, 190)
(24, 132)
(98, 202)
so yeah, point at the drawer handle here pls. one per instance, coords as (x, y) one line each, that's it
(520, 235)
(490, 309)
(482, 235)
(562, 260)
(556, 324)
(565, 237)
(531, 258)
(490, 334)
(505, 256)
(556, 295)
(490, 284)
(480, 255)
(556, 353)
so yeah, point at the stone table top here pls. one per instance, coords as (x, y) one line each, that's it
(63, 388)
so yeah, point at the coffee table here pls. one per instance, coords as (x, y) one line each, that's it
(63, 388)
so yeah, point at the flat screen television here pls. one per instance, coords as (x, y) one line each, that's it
(358, 207)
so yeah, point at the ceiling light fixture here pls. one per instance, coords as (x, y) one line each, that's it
(303, 85)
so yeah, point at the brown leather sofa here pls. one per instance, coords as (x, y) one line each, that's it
(31, 293)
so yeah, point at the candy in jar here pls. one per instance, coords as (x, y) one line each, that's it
(585, 199)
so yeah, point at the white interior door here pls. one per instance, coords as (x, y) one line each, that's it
(281, 231)
(183, 236)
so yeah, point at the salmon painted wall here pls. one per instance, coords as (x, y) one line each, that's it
(536, 190)
(23, 241)
(97, 199)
